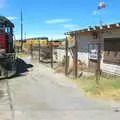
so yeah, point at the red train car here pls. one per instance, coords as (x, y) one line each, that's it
(7, 53)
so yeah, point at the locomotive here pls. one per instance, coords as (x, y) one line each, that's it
(7, 52)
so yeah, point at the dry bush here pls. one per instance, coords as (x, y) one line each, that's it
(82, 66)
(60, 69)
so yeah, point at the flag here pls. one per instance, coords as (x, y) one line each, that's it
(101, 5)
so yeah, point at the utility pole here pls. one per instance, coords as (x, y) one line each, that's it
(21, 30)
(66, 57)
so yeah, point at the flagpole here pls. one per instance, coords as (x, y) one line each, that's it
(98, 69)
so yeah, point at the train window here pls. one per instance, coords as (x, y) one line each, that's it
(1, 28)
(8, 30)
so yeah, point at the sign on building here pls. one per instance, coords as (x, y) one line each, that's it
(93, 51)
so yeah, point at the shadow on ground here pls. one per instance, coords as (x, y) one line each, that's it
(22, 66)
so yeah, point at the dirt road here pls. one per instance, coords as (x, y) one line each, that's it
(40, 94)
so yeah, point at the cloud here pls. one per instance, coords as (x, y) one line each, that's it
(71, 26)
(11, 18)
(53, 21)
(2, 3)
(95, 12)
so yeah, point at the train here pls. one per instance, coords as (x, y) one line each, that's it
(7, 51)
(36, 42)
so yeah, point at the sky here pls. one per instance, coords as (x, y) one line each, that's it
(52, 18)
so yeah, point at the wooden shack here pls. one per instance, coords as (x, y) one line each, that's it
(99, 40)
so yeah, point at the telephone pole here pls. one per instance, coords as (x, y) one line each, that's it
(21, 29)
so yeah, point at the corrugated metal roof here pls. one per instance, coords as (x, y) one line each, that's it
(95, 28)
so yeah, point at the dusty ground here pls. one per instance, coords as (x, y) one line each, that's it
(40, 94)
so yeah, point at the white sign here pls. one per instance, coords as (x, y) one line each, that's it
(93, 51)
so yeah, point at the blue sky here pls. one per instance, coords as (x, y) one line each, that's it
(54, 17)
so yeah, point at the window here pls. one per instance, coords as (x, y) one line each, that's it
(1, 28)
(112, 51)
(8, 30)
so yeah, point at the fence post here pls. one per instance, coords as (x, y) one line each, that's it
(51, 51)
(76, 56)
(98, 70)
(31, 50)
(66, 56)
(39, 51)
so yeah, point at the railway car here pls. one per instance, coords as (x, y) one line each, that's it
(7, 52)
(43, 41)
(55, 43)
